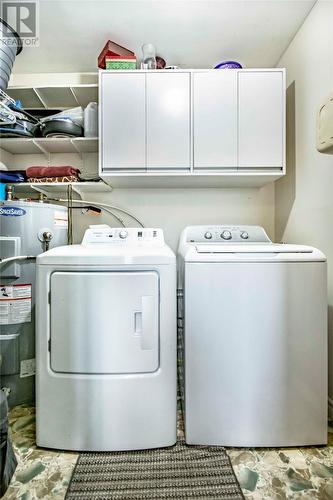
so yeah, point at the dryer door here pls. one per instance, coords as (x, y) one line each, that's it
(104, 322)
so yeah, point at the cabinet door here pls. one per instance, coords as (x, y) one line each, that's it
(261, 119)
(168, 120)
(215, 119)
(123, 121)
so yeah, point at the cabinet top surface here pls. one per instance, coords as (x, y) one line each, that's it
(189, 70)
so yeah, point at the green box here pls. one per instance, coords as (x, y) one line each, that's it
(114, 64)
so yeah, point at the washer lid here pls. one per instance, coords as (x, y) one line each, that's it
(261, 249)
(226, 252)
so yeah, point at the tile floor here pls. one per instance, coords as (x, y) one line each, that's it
(40, 473)
(292, 473)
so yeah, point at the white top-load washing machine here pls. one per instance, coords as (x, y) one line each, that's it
(106, 342)
(255, 338)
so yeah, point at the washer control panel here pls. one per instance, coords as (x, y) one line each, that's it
(226, 234)
(129, 236)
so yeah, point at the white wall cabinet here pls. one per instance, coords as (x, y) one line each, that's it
(192, 123)
(145, 121)
(215, 119)
(168, 120)
(260, 119)
(122, 127)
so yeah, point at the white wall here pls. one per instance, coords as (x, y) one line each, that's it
(173, 209)
(304, 199)
(189, 33)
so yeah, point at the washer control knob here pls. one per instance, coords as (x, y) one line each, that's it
(123, 234)
(244, 235)
(226, 235)
(208, 235)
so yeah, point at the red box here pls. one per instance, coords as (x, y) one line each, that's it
(112, 49)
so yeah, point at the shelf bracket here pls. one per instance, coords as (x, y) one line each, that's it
(40, 98)
(39, 189)
(74, 95)
(75, 147)
(76, 189)
(40, 147)
(79, 152)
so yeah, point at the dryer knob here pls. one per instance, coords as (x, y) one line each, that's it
(226, 235)
(123, 234)
(208, 235)
(244, 235)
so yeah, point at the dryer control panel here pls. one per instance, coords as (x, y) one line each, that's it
(127, 236)
(226, 234)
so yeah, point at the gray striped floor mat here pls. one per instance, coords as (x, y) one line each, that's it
(178, 472)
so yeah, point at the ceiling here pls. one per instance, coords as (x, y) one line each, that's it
(189, 33)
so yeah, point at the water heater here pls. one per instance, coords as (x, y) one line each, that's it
(26, 228)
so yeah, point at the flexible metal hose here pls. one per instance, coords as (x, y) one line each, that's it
(102, 205)
(18, 257)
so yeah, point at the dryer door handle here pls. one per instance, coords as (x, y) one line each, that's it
(148, 322)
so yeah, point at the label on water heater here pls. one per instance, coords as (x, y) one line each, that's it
(15, 304)
(60, 218)
(28, 367)
(8, 211)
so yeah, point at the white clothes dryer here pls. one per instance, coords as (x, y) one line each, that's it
(106, 342)
(254, 339)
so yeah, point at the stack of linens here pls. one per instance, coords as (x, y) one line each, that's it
(53, 174)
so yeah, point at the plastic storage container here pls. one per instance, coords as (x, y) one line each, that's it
(91, 120)
(149, 56)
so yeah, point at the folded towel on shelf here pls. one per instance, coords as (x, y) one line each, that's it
(12, 176)
(65, 178)
(51, 171)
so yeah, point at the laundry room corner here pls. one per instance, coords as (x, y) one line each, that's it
(304, 205)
